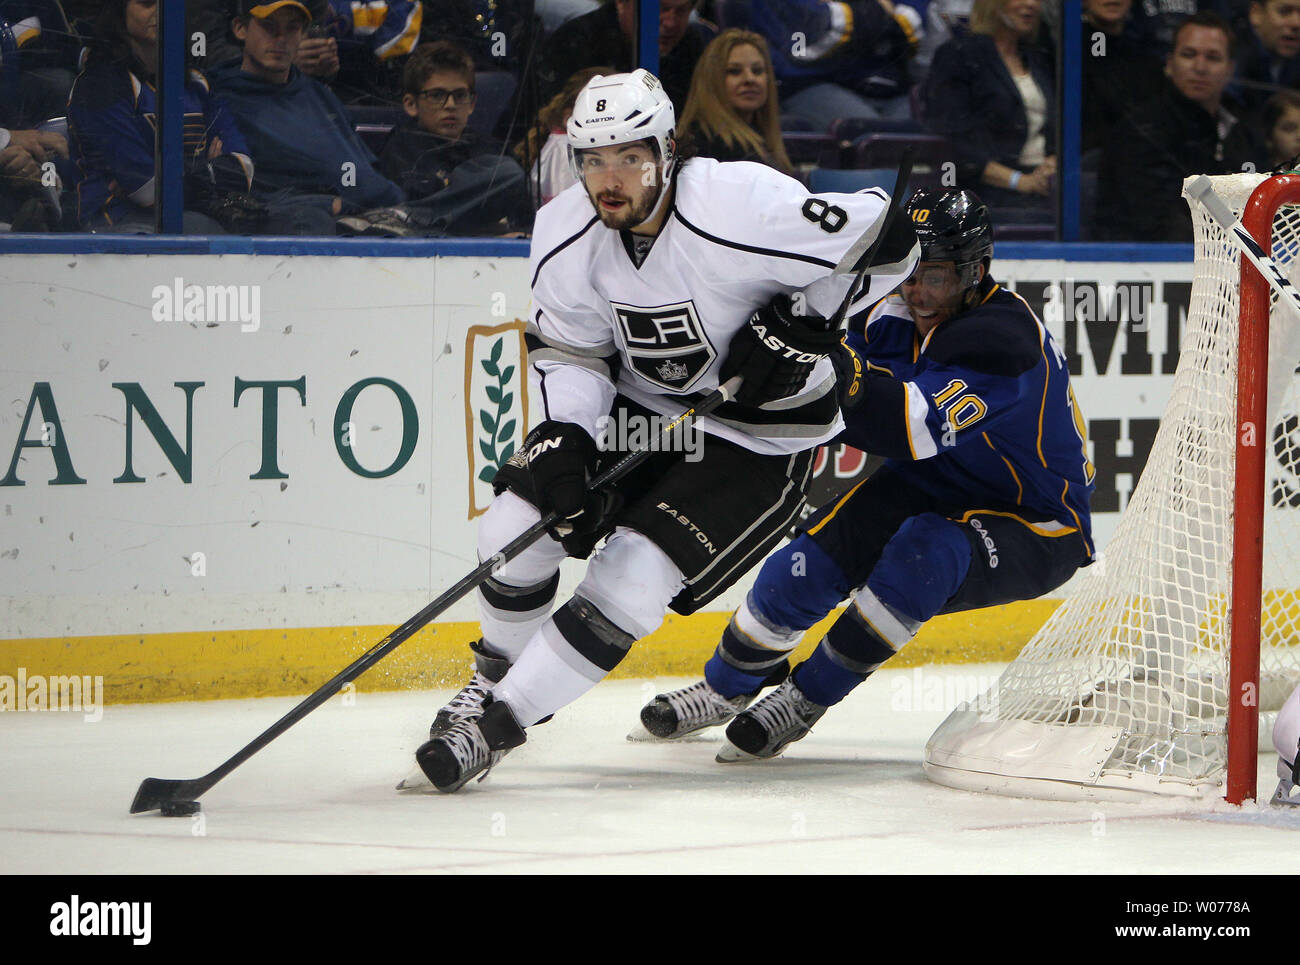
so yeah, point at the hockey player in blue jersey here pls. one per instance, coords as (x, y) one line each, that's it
(983, 498)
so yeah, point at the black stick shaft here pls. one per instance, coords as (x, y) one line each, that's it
(895, 203)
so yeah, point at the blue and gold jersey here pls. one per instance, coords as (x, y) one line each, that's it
(979, 412)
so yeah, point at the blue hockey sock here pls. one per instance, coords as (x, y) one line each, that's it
(846, 656)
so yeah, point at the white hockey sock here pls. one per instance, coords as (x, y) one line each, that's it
(518, 598)
(548, 675)
(623, 597)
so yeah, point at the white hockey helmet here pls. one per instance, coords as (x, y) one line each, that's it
(621, 109)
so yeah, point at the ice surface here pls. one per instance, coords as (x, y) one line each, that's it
(577, 798)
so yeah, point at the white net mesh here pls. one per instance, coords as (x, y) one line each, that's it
(1126, 685)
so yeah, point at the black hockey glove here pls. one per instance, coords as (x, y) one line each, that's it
(561, 460)
(775, 351)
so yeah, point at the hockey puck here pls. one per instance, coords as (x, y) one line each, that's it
(179, 809)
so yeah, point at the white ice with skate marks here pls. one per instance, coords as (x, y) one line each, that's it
(578, 797)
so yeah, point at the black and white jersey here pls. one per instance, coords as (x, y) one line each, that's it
(657, 328)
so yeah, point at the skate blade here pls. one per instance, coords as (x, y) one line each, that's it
(639, 735)
(417, 780)
(729, 753)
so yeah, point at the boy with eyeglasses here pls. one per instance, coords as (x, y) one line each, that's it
(457, 182)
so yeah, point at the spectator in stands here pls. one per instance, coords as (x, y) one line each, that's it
(944, 20)
(1268, 52)
(38, 43)
(1281, 116)
(207, 32)
(370, 43)
(38, 54)
(1185, 129)
(27, 201)
(991, 93)
(498, 34)
(317, 55)
(1154, 22)
(456, 182)
(310, 162)
(840, 60)
(111, 124)
(733, 113)
(1116, 65)
(605, 36)
(544, 152)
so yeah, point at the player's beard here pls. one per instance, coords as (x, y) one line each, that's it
(636, 211)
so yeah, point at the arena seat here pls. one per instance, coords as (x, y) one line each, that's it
(849, 180)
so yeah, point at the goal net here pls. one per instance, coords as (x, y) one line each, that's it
(1129, 685)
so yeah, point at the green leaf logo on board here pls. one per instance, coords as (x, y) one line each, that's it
(496, 404)
(498, 425)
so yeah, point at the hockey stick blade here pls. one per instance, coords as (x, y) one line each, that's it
(154, 792)
(1202, 191)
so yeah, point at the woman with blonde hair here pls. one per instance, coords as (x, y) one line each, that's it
(992, 94)
(732, 113)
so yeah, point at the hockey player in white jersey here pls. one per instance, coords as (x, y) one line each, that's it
(654, 280)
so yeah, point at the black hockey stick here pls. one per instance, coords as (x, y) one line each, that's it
(177, 798)
(180, 797)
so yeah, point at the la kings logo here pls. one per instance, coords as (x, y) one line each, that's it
(666, 345)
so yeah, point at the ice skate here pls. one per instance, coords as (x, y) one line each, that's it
(1286, 792)
(469, 748)
(678, 713)
(763, 731)
(468, 704)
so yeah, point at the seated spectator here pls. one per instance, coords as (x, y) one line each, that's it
(991, 93)
(497, 35)
(1116, 65)
(310, 162)
(1184, 129)
(845, 59)
(1154, 22)
(605, 36)
(207, 33)
(944, 20)
(317, 56)
(44, 52)
(38, 61)
(111, 124)
(544, 152)
(28, 201)
(1268, 57)
(733, 113)
(456, 182)
(1281, 117)
(369, 43)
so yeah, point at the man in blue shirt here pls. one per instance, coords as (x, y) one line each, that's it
(983, 498)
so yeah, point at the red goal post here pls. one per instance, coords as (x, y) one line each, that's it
(1261, 210)
(1151, 676)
